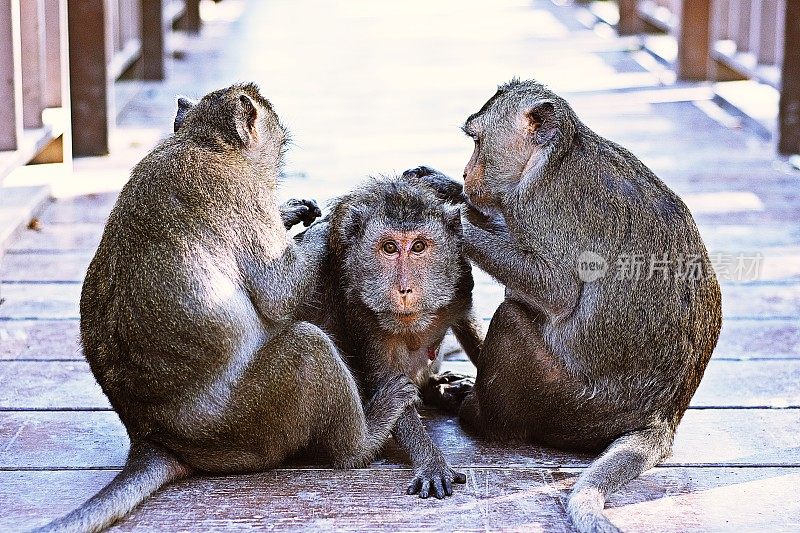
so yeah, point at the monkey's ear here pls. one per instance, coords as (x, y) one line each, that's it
(246, 116)
(184, 105)
(348, 222)
(539, 116)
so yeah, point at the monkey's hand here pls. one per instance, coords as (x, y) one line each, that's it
(446, 391)
(447, 189)
(435, 477)
(295, 211)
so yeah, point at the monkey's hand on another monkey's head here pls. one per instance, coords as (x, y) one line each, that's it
(295, 211)
(446, 188)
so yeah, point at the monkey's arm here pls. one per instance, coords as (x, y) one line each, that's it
(469, 334)
(488, 243)
(279, 285)
(432, 473)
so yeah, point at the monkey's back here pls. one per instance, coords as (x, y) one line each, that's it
(640, 339)
(163, 307)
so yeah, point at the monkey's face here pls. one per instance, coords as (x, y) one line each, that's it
(409, 274)
(512, 133)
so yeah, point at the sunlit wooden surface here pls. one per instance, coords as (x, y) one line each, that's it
(373, 88)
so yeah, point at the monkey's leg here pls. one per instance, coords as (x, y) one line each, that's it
(432, 473)
(379, 417)
(353, 434)
(625, 459)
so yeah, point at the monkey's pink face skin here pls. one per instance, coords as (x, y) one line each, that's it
(405, 256)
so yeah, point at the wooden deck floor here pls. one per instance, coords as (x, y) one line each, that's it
(368, 90)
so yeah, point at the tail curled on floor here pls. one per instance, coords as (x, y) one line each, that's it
(624, 459)
(148, 468)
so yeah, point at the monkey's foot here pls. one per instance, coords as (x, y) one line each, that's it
(295, 211)
(435, 478)
(446, 391)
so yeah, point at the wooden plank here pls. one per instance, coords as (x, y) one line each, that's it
(739, 340)
(70, 384)
(40, 339)
(10, 81)
(59, 237)
(89, 90)
(90, 208)
(49, 385)
(663, 499)
(60, 267)
(95, 439)
(40, 301)
(789, 106)
(759, 339)
(761, 301)
(693, 31)
(151, 66)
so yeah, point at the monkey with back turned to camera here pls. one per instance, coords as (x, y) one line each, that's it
(574, 358)
(395, 281)
(187, 316)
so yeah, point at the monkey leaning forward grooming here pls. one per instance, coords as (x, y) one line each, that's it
(187, 317)
(395, 281)
(573, 360)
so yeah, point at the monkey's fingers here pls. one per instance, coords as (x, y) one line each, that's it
(438, 488)
(458, 477)
(425, 490)
(448, 486)
(415, 486)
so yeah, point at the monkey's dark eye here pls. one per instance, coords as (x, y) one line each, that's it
(390, 248)
(418, 246)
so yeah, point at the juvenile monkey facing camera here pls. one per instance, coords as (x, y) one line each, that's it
(187, 317)
(395, 281)
(570, 360)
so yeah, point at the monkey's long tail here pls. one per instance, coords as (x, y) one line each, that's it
(148, 468)
(622, 461)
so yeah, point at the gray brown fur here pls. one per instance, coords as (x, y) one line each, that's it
(611, 363)
(360, 301)
(187, 317)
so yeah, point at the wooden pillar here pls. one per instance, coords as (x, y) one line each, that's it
(191, 18)
(629, 21)
(52, 53)
(151, 65)
(693, 35)
(32, 34)
(10, 83)
(89, 91)
(789, 107)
